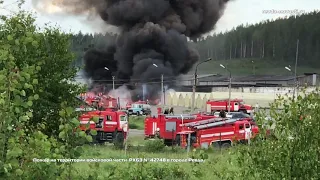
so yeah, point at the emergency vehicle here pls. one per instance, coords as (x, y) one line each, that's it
(236, 105)
(100, 101)
(218, 132)
(112, 126)
(166, 126)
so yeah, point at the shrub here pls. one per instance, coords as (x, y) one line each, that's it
(156, 145)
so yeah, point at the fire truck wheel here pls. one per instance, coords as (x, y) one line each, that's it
(119, 139)
(226, 145)
(177, 140)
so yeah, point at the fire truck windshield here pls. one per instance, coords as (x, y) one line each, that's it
(123, 118)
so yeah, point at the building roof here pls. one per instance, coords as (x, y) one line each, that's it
(251, 78)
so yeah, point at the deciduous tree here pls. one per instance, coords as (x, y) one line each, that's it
(294, 151)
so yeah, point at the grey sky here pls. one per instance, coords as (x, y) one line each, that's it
(237, 12)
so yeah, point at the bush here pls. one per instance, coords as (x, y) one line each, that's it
(156, 145)
(293, 150)
(136, 122)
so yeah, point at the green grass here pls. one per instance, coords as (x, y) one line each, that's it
(136, 122)
(136, 140)
(209, 169)
(246, 67)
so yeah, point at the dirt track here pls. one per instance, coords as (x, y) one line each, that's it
(135, 132)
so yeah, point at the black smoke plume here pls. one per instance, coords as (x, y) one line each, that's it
(152, 42)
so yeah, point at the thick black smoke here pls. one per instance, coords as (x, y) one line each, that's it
(153, 39)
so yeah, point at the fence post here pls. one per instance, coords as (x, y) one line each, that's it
(126, 139)
(220, 144)
(188, 145)
(172, 138)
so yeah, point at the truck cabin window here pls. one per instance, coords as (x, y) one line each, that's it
(123, 118)
(100, 119)
(240, 126)
(109, 118)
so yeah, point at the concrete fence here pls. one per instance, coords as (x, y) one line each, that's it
(263, 96)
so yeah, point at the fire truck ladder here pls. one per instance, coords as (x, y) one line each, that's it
(204, 126)
(221, 100)
(184, 116)
(193, 124)
(87, 104)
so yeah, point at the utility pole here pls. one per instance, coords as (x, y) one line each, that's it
(229, 92)
(229, 86)
(295, 71)
(126, 139)
(113, 82)
(162, 92)
(253, 68)
(295, 67)
(195, 84)
(194, 91)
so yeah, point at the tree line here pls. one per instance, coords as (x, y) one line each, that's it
(274, 40)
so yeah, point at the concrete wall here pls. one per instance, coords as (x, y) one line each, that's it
(261, 95)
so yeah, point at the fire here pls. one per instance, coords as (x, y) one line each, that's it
(59, 6)
(47, 6)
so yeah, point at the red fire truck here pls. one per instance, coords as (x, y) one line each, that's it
(219, 132)
(236, 105)
(112, 126)
(166, 126)
(101, 101)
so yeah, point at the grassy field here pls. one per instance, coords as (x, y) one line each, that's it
(126, 168)
(158, 161)
(136, 122)
(258, 67)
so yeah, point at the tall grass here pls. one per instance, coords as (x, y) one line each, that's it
(126, 167)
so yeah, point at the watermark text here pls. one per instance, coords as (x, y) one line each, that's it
(138, 160)
(283, 11)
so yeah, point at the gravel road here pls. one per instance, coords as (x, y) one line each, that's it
(135, 132)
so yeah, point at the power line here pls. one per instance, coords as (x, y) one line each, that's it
(138, 80)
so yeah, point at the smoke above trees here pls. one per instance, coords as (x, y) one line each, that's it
(152, 41)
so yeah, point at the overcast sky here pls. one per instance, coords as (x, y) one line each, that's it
(237, 12)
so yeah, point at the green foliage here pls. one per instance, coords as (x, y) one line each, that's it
(48, 52)
(32, 85)
(16, 106)
(155, 168)
(273, 46)
(156, 145)
(292, 149)
(136, 122)
(274, 40)
(71, 139)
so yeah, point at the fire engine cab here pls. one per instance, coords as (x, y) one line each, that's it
(218, 132)
(236, 105)
(166, 126)
(99, 101)
(112, 126)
